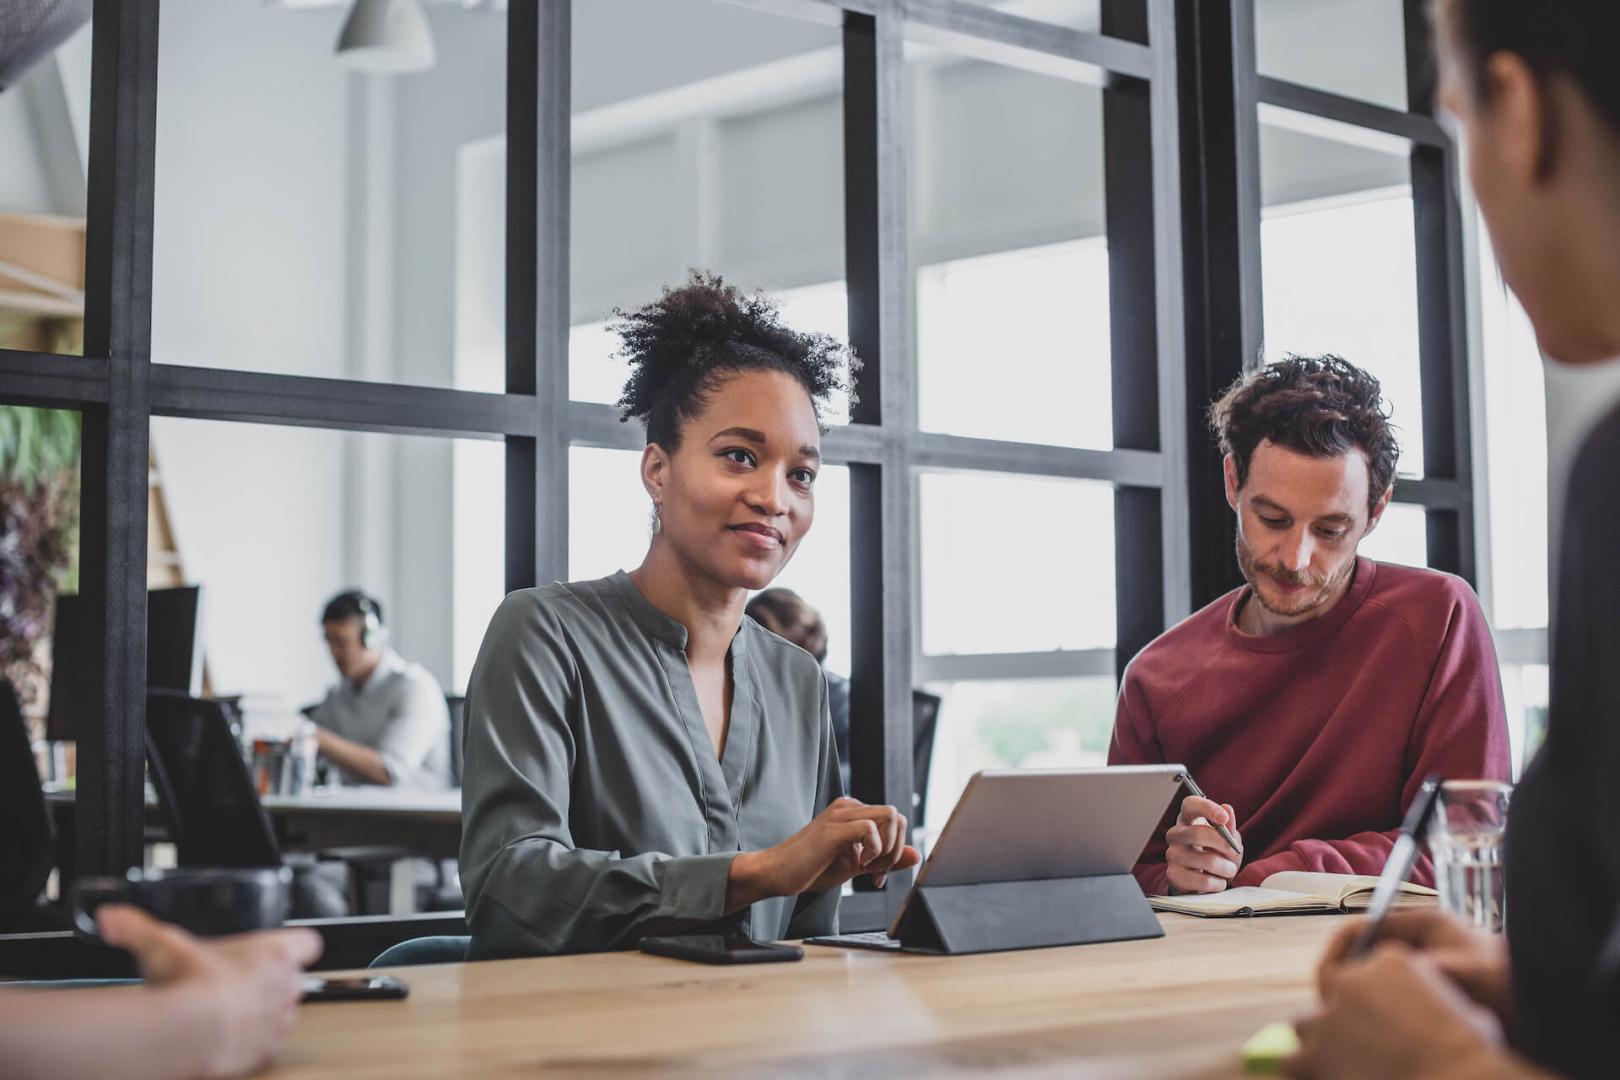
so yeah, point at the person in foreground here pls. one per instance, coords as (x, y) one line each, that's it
(641, 758)
(1314, 700)
(209, 1008)
(1537, 93)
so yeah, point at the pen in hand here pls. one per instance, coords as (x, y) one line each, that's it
(1192, 785)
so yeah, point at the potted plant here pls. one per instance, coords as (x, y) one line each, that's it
(39, 519)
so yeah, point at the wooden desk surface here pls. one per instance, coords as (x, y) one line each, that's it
(1179, 1006)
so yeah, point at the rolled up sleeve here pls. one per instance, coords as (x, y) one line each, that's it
(420, 720)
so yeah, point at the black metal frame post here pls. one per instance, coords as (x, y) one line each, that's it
(1182, 186)
(1221, 214)
(1442, 314)
(112, 536)
(538, 164)
(881, 491)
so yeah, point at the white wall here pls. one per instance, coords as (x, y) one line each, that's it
(248, 271)
(24, 184)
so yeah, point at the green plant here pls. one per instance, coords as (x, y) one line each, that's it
(39, 516)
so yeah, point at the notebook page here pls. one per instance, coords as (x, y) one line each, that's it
(1233, 901)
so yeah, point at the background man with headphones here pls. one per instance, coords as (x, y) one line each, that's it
(385, 721)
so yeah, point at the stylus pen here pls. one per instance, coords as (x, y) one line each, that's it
(1192, 785)
(1397, 866)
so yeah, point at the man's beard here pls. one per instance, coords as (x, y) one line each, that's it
(1317, 587)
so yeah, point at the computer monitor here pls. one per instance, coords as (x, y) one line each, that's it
(173, 660)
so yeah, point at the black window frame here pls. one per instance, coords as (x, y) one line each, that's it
(1181, 95)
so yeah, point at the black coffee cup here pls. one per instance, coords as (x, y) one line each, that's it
(208, 902)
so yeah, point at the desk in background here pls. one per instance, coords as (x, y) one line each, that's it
(429, 821)
(1178, 1006)
(323, 819)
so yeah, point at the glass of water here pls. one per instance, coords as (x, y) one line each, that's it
(1466, 836)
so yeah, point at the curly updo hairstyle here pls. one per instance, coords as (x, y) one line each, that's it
(684, 344)
(1322, 406)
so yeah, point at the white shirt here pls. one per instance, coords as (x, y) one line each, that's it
(401, 713)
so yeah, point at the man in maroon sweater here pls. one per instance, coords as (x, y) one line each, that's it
(1314, 700)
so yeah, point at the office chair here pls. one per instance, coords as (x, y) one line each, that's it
(440, 949)
(216, 817)
(924, 724)
(26, 850)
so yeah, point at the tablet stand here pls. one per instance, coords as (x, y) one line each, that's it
(995, 915)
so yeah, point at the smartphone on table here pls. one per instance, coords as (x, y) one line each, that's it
(355, 988)
(721, 949)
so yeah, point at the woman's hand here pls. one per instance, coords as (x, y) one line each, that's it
(1476, 961)
(1396, 1014)
(243, 991)
(847, 839)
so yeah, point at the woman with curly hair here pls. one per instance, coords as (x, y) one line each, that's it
(641, 758)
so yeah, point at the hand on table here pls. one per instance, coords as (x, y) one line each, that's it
(1198, 859)
(1476, 961)
(847, 839)
(244, 989)
(1396, 1014)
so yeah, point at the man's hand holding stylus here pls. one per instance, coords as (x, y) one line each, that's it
(1198, 859)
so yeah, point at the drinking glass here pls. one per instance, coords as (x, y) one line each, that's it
(1466, 837)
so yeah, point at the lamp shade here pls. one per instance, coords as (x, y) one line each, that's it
(389, 37)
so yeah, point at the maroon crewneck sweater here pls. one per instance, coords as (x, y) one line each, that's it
(1320, 735)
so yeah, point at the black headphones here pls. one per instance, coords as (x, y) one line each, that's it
(355, 604)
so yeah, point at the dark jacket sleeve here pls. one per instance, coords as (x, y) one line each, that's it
(1563, 855)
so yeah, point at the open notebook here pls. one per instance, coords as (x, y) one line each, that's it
(1290, 892)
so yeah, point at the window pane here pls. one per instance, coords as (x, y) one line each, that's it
(705, 135)
(312, 222)
(1351, 47)
(1524, 690)
(273, 521)
(1007, 234)
(45, 134)
(610, 526)
(983, 537)
(1339, 266)
(609, 513)
(1402, 537)
(1016, 723)
(1516, 440)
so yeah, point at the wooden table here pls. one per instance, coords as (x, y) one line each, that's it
(1179, 1006)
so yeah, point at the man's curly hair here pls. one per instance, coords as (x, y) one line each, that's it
(682, 345)
(1323, 406)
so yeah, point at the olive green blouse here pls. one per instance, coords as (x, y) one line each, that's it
(595, 811)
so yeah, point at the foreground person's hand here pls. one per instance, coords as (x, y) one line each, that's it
(848, 839)
(1198, 859)
(242, 991)
(1476, 961)
(1396, 1015)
